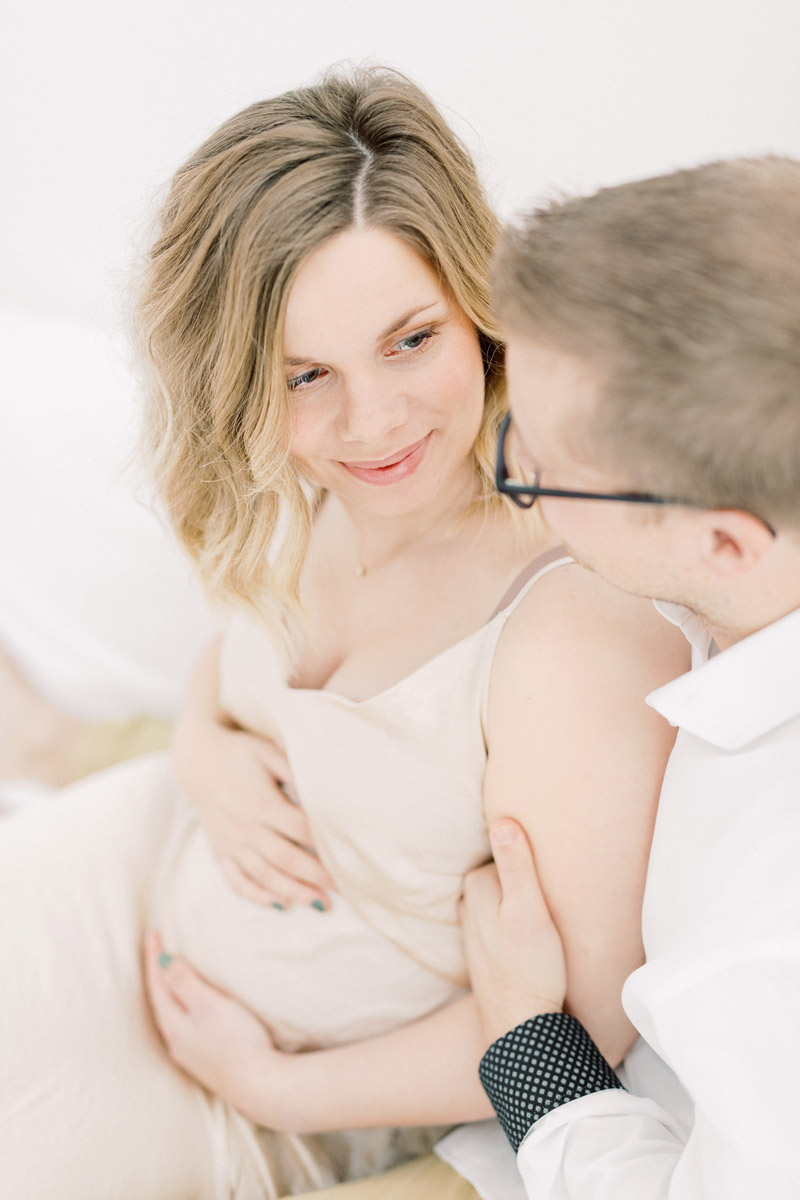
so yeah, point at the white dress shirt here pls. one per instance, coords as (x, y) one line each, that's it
(719, 996)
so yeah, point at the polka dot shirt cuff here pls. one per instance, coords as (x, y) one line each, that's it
(543, 1063)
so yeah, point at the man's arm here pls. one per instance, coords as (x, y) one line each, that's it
(579, 1135)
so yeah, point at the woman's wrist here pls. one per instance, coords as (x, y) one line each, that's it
(195, 732)
(274, 1095)
(304, 1092)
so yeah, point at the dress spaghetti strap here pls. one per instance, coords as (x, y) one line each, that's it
(538, 563)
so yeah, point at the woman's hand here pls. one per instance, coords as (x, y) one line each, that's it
(259, 837)
(213, 1037)
(238, 784)
(431, 1063)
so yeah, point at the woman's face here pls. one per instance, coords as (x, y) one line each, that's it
(385, 375)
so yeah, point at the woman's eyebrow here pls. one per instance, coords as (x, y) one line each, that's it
(393, 328)
(406, 317)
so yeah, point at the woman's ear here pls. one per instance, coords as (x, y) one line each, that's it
(734, 541)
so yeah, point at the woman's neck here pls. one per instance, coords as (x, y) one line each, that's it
(381, 539)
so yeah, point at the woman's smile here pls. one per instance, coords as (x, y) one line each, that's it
(393, 468)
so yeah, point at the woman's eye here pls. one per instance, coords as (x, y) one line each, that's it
(298, 381)
(415, 340)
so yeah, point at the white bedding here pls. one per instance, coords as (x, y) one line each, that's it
(97, 604)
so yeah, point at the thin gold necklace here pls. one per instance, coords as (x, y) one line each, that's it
(361, 567)
(454, 512)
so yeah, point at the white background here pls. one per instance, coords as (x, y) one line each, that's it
(101, 99)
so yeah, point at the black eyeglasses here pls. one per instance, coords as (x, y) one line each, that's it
(524, 488)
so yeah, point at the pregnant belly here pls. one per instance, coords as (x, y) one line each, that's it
(316, 979)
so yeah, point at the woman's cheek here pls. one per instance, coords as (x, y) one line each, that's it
(466, 389)
(305, 444)
(466, 368)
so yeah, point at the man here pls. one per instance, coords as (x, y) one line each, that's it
(654, 376)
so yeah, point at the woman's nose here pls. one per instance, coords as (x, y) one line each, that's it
(371, 411)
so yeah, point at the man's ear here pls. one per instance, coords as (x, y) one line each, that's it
(734, 541)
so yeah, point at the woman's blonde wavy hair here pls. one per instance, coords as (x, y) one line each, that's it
(275, 182)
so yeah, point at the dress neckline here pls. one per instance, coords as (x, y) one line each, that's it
(550, 558)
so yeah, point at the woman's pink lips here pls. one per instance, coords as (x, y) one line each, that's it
(390, 459)
(390, 470)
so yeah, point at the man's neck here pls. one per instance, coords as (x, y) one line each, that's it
(727, 635)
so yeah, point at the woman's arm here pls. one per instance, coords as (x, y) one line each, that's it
(577, 758)
(425, 1073)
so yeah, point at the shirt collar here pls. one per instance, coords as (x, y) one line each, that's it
(740, 694)
(692, 628)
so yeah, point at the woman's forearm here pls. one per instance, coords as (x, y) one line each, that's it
(199, 712)
(425, 1073)
(201, 699)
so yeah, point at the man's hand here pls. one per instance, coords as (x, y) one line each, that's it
(514, 951)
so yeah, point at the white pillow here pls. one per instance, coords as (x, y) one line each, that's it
(97, 603)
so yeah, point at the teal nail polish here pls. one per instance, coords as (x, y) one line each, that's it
(164, 959)
(279, 907)
(318, 905)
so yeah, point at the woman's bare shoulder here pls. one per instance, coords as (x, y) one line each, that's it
(573, 620)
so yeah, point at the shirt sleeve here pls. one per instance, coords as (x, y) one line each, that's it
(538, 1066)
(734, 1039)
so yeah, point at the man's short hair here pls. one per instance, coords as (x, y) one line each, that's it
(685, 290)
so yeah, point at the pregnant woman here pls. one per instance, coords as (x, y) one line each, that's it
(405, 656)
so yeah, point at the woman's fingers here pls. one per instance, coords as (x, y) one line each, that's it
(209, 1034)
(292, 860)
(277, 806)
(275, 761)
(283, 815)
(250, 874)
(166, 1008)
(260, 837)
(181, 1000)
(250, 888)
(178, 989)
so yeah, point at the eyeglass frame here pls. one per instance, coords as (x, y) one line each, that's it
(519, 492)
